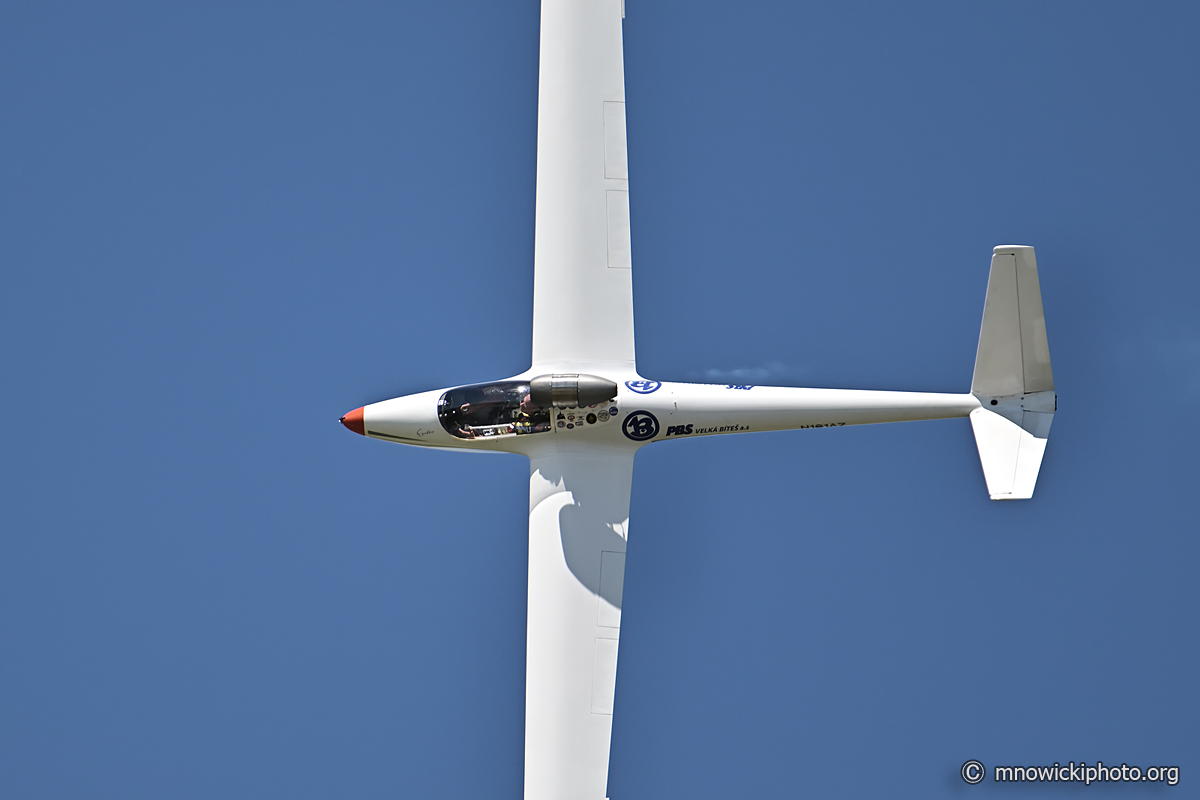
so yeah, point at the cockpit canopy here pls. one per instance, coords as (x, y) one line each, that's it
(491, 409)
(511, 408)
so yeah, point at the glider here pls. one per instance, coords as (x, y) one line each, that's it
(581, 411)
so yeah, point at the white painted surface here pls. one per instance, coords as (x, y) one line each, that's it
(582, 309)
(616, 158)
(1014, 354)
(604, 676)
(1013, 379)
(617, 210)
(579, 512)
(612, 588)
(1011, 456)
(998, 368)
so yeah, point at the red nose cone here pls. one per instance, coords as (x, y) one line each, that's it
(354, 421)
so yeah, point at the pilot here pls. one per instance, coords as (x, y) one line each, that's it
(464, 429)
(522, 421)
(525, 417)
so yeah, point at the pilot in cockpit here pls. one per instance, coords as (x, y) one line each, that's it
(464, 428)
(474, 412)
(525, 422)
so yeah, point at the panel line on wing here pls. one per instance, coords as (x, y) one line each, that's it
(612, 585)
(616, 158)
(604, 676)
(619, 256)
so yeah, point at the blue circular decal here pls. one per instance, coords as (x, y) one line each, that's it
(643, 387)
(640, 426)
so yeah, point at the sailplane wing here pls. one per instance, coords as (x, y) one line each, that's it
(583, 286)
(578, 521)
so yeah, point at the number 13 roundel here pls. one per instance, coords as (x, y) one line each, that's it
(640, 426)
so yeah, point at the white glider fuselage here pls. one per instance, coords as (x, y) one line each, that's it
(641, 412)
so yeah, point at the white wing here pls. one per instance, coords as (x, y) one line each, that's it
(578, 518)
(583, 285)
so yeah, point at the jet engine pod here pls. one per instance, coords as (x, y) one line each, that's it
(566, 391)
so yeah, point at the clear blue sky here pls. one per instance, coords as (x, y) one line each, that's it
(224, 225)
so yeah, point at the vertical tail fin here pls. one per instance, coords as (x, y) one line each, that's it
(1013, 380)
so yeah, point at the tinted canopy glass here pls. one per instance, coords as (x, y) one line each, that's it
(492, 409)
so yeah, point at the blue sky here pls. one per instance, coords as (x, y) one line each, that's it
(224, 225)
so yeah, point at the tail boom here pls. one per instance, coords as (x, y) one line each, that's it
(686, 409)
